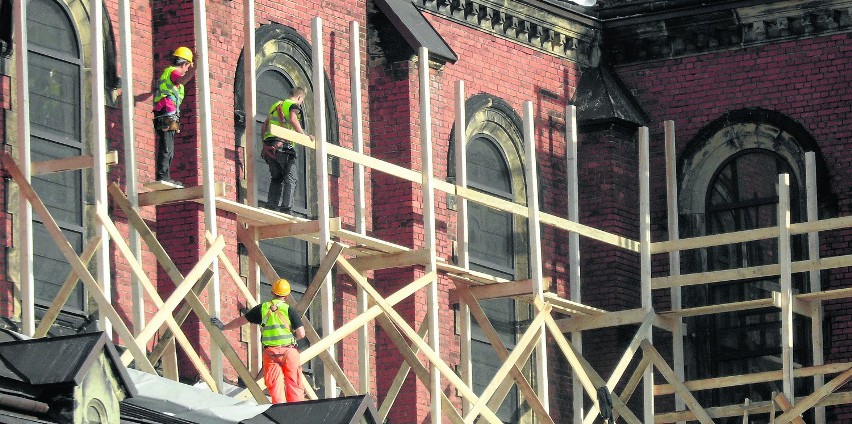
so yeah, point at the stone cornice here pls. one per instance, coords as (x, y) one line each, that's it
(542, 26)
(721, 26)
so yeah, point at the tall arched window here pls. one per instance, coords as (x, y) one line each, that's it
(283, 61)
(497, 241)
(491, 241)
(56, 108)
(289, 256)
(729, 183)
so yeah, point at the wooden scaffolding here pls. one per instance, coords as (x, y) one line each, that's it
(354, 253)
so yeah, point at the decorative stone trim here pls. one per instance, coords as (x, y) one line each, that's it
(565, 34)
(705, 29)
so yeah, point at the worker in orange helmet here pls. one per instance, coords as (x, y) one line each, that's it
(281, 326)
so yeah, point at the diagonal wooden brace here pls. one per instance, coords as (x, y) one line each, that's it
(179, 294)
(532, 335)
(439, 364)
(485, 324)
(669, 374)
(811, 400)
(624, 362)
(65, 292)
(409, 355)
(104, 304)
(586, 374)
(136, 268)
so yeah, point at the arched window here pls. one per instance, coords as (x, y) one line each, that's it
(56, 108)
(497, 242)
(729, 183)
(491, 241)
(283, 61)
(289, 256)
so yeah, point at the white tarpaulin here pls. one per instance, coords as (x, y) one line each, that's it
(189, 403)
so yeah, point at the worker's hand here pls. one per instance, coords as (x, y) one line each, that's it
(312, 138)
(217, 323)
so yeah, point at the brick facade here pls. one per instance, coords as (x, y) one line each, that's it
(803, 79)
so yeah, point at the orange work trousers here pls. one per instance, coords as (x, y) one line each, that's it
(283, 374)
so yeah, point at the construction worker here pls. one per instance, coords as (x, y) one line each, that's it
(168, 96)
(280, 154)
(281, 326)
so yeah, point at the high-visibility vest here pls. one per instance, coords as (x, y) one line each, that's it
(275, 328)
(281, 117)
(167, 88)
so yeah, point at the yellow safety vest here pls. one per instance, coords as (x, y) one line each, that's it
(275, 328)
(167, 88)
(281, 118)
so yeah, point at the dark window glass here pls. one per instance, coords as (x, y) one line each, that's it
(743, 196)
(55, 83)
(48, 26)
(491, 249)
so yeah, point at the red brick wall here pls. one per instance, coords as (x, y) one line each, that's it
(522, 75)
(800, 79)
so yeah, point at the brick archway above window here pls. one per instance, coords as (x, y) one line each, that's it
(737, 132)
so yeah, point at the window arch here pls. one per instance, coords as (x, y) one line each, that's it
(728, 183)
(497, 242)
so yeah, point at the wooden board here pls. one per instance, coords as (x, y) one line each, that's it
(159, 197)
(162, 185)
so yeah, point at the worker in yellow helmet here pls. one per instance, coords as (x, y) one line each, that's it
(281, 326)
(168, 95)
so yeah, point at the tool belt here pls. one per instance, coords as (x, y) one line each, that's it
(167, 123)
(269, 147)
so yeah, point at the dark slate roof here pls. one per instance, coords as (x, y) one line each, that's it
(342, 410)
(60, 360)
(603, 98)
(415, 29)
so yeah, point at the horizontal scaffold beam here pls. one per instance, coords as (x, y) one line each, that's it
(469, 194)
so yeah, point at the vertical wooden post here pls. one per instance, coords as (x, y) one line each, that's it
(465, 365)
(814, 278)
(323, 202)
(360, 195)
(429, 228)
(130, 170)
(250, 108)
(536, 272)
(25, 213)
(574, 246)
(674, 256)
(99, 171)
(645, 259)
(207, 161)
(784, 258)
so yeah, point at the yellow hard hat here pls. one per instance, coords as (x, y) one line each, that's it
(281, 287)
(184, 53)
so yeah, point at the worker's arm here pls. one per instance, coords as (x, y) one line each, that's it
(299, 333)
(187, 76)
(235, 323)
(294, 121)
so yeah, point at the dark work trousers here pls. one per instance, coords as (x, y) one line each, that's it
(283, 172)
(165, 153)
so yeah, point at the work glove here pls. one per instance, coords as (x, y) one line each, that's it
(217, 323)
